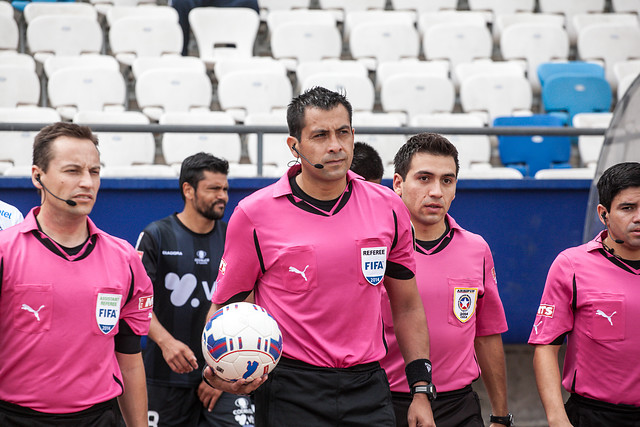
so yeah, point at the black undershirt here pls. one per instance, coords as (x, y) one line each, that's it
(325, 205)
(427, 245)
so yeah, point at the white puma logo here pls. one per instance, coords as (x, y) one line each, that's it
(536, 326)
(31, 310)
(295, 270)
(603, 314)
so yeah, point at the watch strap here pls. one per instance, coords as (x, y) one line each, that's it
(507, 420)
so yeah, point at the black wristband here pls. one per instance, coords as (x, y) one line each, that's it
(205, 379)
(418, 370)
(507, 420)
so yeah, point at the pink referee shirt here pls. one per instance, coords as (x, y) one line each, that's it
(59, 315)
(319, 275)
(596, 302)
(458, 288)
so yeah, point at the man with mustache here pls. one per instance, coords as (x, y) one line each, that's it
(590, 298)
(318, 246)
(181, 254)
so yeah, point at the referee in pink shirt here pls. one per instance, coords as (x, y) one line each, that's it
(74, 300)
(591, 299)
(318, 247)
(457, 283)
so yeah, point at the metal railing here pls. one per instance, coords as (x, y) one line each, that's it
(363, 130)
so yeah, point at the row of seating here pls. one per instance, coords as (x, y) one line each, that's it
(133, 154)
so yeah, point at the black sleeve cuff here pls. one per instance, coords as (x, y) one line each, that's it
(126, 341)
(398, 271)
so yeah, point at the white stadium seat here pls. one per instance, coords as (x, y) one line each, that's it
(297, 42)
(457, 43)
(70, 35)
(9, 34)
(36, 9)
(139, 37)
(275, 150)
(375, 43)
(589, 146)
(416, 93)
(493, 96)
(19, 85)
(358, 89)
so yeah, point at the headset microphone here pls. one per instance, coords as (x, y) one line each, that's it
(315, 165)
(67, 201)
(618, 241)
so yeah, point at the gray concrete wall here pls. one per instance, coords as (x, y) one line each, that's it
(524, 401)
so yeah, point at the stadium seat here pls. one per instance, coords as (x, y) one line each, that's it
(530, 153)
(117, 13)
(19, 5)
(297, 42)
(14, 59)
(625, 72)
(307, 16)
(265, 64)
(177, 146)
(342, 8)
(467, 69)
(570, 8)
(246, 92)
(535, 44)
(172, 90)
(610, 43)
(136, 37)
(358, 89)
(625, 6)
(489, 173)
(473, 150)
(267, 7)
(16, 147)
(584, 20)
(589, 146)
(504, 21)
(104, 6)
(55, 63)
(383, 17)
(375, 43)
(427, 20)
(624, 84)
(140, 65)
(550, 69)
(38, 8)
(491, 96)
(138, 171)
(275, 150)
(121, 148)
(386, 145)
(457, 43)
(567, 173)
(70, 35)
(77, 89)
(421, 6)
(19, 86)
(307, 69)
(387, 69)
(415, 93)
(499, 7)
(6, 10)
(9, 34)
(248, 170)
(224, 32)
(569, 94)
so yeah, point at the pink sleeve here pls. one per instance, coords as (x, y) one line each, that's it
(555, 315)
(240, 266)
(137, 311)
(403, 252)
(491, 318)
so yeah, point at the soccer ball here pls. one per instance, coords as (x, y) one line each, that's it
(241, 340)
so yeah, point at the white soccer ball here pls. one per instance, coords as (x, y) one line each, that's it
(241, 340)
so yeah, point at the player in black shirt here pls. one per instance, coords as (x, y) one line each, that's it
(181, 254)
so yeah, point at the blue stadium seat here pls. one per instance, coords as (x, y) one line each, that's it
(550, 69)
(569, 94)
(530, 153)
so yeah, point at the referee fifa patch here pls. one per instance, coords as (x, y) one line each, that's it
(374, 263)
(464, 303)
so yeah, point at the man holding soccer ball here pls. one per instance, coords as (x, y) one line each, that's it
(317, 247)
(181, 254)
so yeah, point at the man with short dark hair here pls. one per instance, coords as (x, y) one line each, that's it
(457, 283)
(367, 162)
(590, 298)
(317, 247)
(181, 254)
(74, 300)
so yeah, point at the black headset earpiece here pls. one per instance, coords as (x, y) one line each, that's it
(604, 216)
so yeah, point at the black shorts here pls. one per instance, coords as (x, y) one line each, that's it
(180, 406)
(106, 414)
(456, 408)
(298, 394)
(585, 412)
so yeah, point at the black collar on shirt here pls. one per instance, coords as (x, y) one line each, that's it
(63, 251)
(315, 206)
(625, 264)
(424, 246)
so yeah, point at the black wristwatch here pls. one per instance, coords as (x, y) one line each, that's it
(429, 390)
(507, 421)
